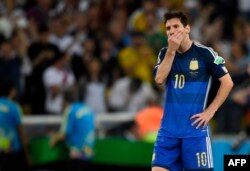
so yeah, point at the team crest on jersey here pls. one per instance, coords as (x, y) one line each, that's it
(194, 65)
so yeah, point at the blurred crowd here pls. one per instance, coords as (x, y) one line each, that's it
(105, 50)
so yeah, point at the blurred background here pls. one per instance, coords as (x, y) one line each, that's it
(105, 51)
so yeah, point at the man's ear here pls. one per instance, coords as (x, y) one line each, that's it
(187, 28)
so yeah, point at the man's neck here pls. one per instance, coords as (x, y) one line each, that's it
(185, 46)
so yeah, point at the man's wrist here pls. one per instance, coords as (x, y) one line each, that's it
(171, 52)
(211, 112)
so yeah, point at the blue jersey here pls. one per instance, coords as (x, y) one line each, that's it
(79, 129)
(10, 119)
(187, 89)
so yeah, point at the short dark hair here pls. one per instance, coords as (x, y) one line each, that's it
(176, 14)
(70, 95)
(6, 87)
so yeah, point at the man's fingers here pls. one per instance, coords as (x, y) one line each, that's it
(176, 35)
(200, 123)
(180, 34)
(204, 125)
(196, 121)
(200, 120)
(175, 39)
(195, 116)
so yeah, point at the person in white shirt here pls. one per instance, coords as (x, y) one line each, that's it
(57, 78)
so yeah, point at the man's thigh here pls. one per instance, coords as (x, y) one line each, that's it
(159, 169)
(197, 153)
(167, 154)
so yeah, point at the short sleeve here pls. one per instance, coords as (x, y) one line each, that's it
(216, 64)
(160, 58)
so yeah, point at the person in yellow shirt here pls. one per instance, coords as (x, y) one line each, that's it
(138, 59)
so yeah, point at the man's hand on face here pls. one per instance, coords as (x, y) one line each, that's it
(175, 40)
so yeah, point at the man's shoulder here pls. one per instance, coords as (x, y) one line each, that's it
(162, 52)
(204, 49)
(11, 105)
(6, 101)
(163, 49)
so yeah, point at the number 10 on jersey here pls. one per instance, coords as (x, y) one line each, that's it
(179, 81)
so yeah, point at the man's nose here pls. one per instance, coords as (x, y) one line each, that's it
(171, 32)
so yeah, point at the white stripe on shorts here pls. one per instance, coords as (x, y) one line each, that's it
(209, 153)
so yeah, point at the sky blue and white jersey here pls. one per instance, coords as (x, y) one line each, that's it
(10, 119)
(187, 88)
(79, 129)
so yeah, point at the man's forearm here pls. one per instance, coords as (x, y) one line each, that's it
(164, 67)
(223, 92)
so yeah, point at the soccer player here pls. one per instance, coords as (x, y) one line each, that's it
(13, 144)
(187, 68)
(78, 131)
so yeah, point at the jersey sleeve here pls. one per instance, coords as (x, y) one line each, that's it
(216, 64)
(160, 58)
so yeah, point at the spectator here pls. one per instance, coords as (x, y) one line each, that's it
(235, 107)
(119, 35)
(147, 122)
(134, 93)
(138, 19)
(56, 79)
(109, 62)
(242, 97)
(94, 93)
(80, 62)
(59, 35)
(13, 144)
(10, 65)
(40, 10)
(41, 54)
(244, 9)
(240, 58)
(20, 45)
(79, 31)
(138, 59)
(78, 131)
